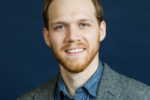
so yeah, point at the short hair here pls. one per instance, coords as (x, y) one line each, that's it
(97, 5)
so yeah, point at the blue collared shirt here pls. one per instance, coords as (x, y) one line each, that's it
(86, 92)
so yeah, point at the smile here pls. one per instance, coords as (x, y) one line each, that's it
(74, 50)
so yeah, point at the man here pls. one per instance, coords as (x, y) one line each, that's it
(74, 30)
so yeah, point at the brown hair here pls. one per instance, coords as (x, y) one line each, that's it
(97, 5)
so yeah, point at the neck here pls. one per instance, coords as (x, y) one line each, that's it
(76, 80)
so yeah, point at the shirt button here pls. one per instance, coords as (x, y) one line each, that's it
(64, 93)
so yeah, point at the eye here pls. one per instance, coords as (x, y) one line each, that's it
(83, 25)
(59, 27)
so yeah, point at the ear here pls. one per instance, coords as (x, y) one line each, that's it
(46, 37)
(102, 30)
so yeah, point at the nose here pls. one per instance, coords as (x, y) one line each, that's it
(73, 35)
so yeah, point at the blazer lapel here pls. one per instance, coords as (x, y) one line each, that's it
(50, 88)
(109, 87)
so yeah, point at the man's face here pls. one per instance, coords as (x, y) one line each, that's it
(74, 33)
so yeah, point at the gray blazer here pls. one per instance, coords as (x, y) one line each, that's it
(112, 86)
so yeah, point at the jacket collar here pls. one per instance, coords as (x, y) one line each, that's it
(109, 87)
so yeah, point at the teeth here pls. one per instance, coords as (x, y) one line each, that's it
(75, 50)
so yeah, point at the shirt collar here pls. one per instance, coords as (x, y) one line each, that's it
(61, 87)
(91, 85)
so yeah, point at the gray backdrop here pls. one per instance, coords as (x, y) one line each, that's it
(26, 62)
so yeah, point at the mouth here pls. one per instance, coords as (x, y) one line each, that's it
(75, 51)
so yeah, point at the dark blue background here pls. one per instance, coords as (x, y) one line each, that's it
(26, 62)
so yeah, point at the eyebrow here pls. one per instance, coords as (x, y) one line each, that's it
(65, 23)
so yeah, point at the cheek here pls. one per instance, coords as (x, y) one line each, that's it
(92, 37)
(56, 42)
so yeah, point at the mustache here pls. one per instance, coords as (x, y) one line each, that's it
(79, 44)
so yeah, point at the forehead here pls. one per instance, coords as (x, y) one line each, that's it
(71, 10)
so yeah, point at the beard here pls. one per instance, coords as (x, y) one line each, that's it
(76, 64)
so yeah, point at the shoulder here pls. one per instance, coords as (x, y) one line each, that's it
(134, 88)
(43, 92)
(124, 87)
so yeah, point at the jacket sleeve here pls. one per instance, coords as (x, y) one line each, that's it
(146, 95)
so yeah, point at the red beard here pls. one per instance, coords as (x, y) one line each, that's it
(76, 65)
